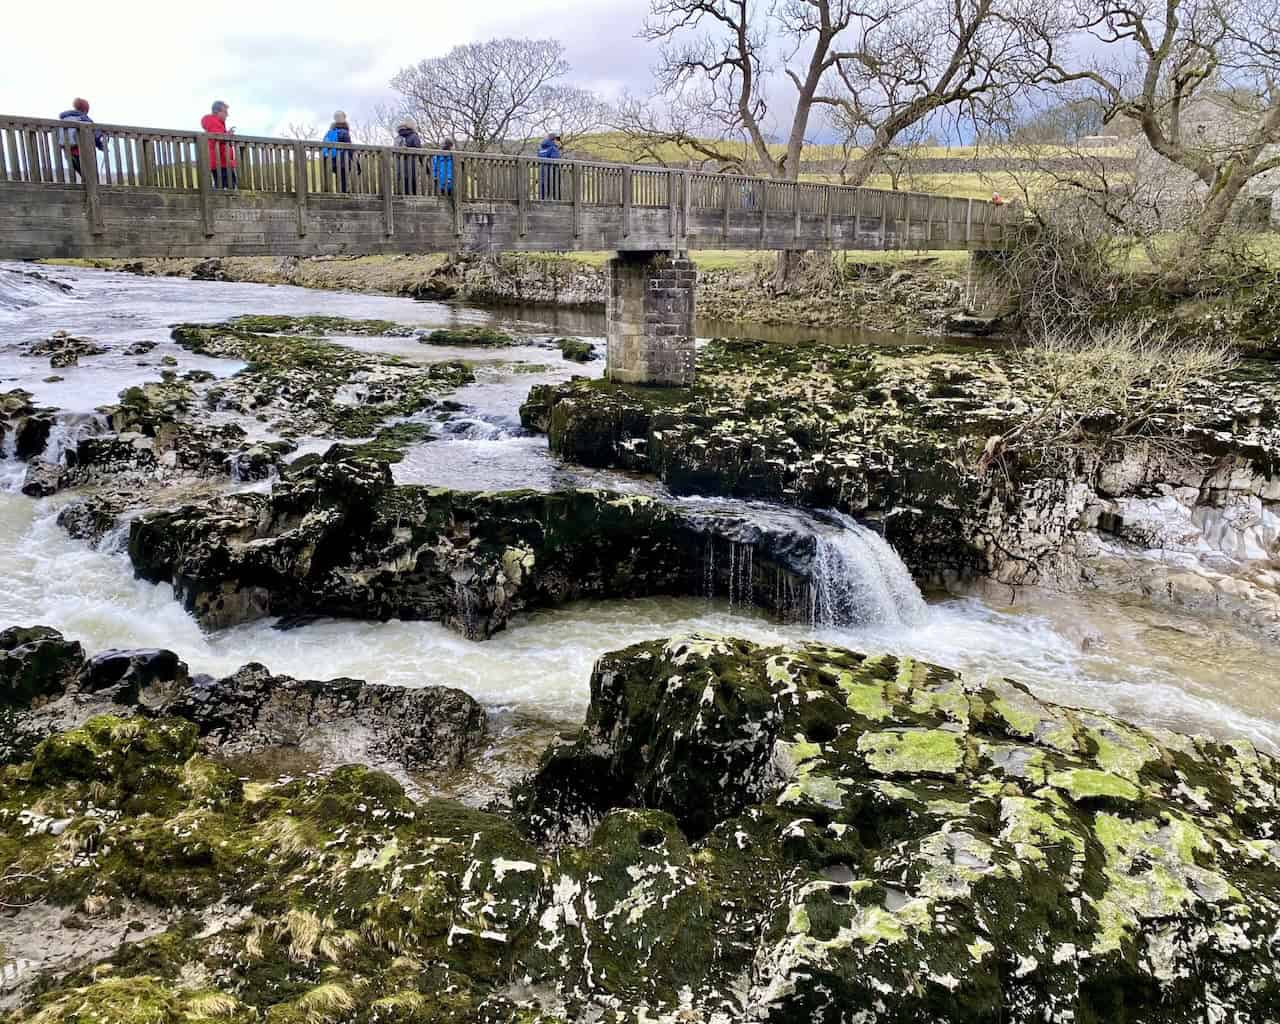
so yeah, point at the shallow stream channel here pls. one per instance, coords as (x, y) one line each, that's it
(1154, 667)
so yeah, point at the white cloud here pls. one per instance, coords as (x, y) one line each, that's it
(162, 64)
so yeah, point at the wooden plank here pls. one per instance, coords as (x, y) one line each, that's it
(386, 157)
(300, 186)
(671, 206)
(686, 184)
(626, 202)
(522, 196)
(830, 196)
(968, 223)
(204, 182)
(89, 176)
(575, 172)
(728, 187)
(459, 187)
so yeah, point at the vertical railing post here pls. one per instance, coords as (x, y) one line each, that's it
(968, 223)
(626, 202)
(857, 214)
(728, 185)
(884, 219)
(89, 175)
(459, 187)
(575, 172)
(671, 206)
(204, 183)
(830, 194)
(522, 196)
(764, 211)
(388, 158)
(686, 184)
(300, 181)
(795, 209)
(148, 162)
(906, 216)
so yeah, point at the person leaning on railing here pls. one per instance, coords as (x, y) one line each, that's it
(442, 168)
(407, 138)
(339, 159)
(69, 138)
(222, 155)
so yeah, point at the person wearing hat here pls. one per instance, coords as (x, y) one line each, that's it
(339, 159)
(442, 168)
(222, 155)
(69, 138)
(548, 176)
(407, 138)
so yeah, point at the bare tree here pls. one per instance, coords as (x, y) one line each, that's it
(1158, 58)
(303, 131)
(495, 92)
(907, 63)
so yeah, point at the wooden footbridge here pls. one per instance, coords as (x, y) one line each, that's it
(152, 192)
(140, 192)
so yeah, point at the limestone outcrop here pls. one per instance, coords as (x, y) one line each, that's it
(740, 832)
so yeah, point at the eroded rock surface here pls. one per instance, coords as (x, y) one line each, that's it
(899, 434)
(773, 834)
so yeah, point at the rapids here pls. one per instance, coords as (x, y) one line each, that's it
(1154, 667)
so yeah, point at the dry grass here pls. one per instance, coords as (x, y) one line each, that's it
(325, 1003)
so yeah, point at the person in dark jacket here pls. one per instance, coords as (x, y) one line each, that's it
(339, 159)
(69, 138)
(407, 138)
(549, 176)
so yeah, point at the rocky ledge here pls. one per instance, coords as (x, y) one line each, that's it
(899, 434)
(48, 685)
(739, 833)
(336, 537)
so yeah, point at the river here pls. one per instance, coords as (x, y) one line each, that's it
(1157, 668)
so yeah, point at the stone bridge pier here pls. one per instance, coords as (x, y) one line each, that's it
(649, 309)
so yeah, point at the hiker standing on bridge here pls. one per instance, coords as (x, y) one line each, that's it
(339, 159)
(407, 138)
(442, 168)
(69, 138)
(548, 176)
(222, 155)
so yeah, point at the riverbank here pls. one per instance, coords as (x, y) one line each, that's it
(893, 292)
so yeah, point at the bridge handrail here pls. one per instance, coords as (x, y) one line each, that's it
(37, 150)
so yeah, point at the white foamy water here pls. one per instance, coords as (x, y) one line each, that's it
(1150, 666)
(1150, 671)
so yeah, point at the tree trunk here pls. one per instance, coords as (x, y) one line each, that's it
(788, 272)
(1200, 237)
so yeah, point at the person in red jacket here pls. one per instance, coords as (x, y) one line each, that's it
(222, 155)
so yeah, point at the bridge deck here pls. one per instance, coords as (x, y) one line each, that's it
(151, 193)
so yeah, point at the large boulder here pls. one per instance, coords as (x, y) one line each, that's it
(914, 846)
(341, 720)
(36, 663)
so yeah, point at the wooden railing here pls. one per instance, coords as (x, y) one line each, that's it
(41, 150)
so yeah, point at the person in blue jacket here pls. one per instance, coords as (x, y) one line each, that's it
(69, 138)
(442, 169)
(339, 159)
(549, 176)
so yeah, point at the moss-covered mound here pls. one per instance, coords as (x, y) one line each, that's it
(775, 834)
(576, 350)
(904, 845)
(483, 336)
(268, 324)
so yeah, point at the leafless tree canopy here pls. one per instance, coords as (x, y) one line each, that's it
(489, 94)
(905, 63)
(1148, 61)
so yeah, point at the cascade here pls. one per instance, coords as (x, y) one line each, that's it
(857, 578)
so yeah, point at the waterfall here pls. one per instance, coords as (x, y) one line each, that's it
(857, 578)
(68, 432)
(12, 472)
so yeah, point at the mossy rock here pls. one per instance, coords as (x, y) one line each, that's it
(482, 336)
(341, 325)
(576, 350)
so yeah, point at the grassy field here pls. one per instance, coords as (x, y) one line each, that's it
(616, 146)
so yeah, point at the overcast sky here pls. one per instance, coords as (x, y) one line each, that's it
(162, 64)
